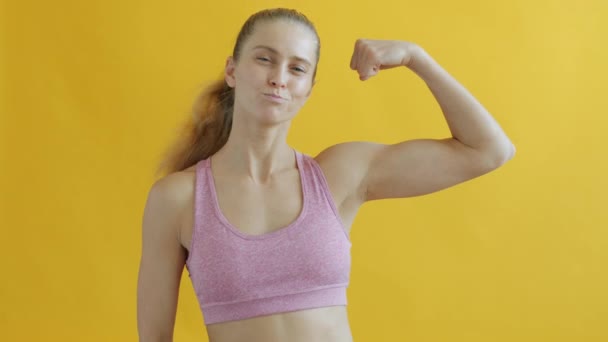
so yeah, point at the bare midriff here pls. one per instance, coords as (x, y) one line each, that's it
(328, 324)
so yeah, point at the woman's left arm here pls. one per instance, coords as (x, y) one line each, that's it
(415, 167)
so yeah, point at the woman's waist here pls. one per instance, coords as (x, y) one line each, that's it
(319, 324)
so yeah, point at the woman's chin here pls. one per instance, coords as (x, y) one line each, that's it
(273, 116)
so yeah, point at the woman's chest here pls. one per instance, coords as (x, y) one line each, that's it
(259, 209)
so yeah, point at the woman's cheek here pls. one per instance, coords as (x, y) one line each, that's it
(302, 88)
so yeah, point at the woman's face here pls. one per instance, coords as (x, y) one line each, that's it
(273, 76)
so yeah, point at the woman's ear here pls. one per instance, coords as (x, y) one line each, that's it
(229, 72)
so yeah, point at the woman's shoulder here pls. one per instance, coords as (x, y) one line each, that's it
(341, 160)
(175, 189)
(168, 200)
(340, 166)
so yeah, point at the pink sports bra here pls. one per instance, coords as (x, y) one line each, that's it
(301, 266)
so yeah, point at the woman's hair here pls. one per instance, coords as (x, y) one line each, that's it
(207, 130)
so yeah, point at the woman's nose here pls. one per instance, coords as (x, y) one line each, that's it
(278, 78)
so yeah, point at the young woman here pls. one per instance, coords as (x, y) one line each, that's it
(264, 229)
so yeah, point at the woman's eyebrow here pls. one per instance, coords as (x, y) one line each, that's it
(301, 59)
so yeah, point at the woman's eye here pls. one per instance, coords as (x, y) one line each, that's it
(299, 69)
(263, 59)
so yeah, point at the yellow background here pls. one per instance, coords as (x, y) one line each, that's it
(91, 93)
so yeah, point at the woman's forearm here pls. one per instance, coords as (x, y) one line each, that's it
(469, 122)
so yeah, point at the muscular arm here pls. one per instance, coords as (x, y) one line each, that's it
(477, 146)
(162, 263)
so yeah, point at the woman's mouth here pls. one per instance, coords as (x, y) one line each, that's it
(274, 98)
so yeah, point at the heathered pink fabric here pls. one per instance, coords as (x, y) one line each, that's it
(301, 266)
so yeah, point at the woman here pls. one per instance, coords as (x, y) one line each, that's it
(264, 229)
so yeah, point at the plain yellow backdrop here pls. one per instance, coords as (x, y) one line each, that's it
(91, 93)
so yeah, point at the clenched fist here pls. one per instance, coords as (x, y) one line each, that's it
(371, 56)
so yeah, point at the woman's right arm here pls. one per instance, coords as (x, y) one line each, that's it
(162, 262)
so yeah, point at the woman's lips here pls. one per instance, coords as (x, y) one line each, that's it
(274, 98)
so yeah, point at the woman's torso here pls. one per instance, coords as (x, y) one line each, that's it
(248, 206)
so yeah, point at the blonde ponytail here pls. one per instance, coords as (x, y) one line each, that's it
(205, 132)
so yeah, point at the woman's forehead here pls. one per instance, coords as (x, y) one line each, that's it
(285, 38)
